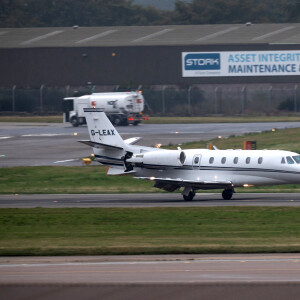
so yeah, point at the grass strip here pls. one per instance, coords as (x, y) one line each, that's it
(279, 139)
(168, 120)
(68, 180)
(221, 119)
(32, 119)
(91, 180)
(104, 231)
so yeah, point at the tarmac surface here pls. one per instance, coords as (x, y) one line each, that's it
(31, 144)
(154, 269)
(252, 276)
(147, 200)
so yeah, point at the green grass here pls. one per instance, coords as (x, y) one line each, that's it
(98, 231)
(90, 180)
(32, 119)
(284, 139)
(67, 180)
(168, 120)
(222, 119)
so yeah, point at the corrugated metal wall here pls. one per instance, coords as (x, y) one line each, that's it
(146, 65)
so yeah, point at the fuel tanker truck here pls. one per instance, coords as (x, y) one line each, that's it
(122, 108)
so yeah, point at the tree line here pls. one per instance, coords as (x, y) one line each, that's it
(65, 13)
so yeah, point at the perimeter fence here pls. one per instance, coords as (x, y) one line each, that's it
(168, 100)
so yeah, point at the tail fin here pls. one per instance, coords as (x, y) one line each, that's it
(101, 130)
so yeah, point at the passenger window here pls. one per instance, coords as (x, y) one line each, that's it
(196, 160)
(236, 160)
(260, 160)
(211, 160)
(289, 160)
(283, 160)
(223, 161)
(248, 160)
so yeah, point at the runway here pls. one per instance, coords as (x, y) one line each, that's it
(148, 200)
(29, 144)
(253, 276)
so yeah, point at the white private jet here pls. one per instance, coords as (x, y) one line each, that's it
(191, 169)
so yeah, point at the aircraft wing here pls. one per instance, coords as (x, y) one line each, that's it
(171, 184)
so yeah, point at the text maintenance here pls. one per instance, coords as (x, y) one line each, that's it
(240, 63)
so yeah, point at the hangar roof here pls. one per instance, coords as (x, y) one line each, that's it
(150, 35)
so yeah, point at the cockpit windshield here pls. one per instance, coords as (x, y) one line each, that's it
(297, 159)
(289, 160)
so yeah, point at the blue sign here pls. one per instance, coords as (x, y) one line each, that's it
(202, 61)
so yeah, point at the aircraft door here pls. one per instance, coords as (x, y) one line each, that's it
(197, 161)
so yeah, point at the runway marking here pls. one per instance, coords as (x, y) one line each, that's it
(214, 272)
(67, 160)
(150, 262)
(43, 134)
(5, 137)
(185, 132)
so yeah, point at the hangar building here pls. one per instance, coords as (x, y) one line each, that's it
(152, 55)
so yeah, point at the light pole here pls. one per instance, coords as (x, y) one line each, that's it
(67, 90)
(41, 98)
(189, 99)
(270, 97)
(14, 98)
(295, 98)
(163, 99)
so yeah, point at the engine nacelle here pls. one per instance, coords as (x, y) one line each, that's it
(167, 158)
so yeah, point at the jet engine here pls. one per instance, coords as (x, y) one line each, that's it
(160, 158)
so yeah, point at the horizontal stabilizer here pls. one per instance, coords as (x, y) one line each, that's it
(100, 145)
(133, 140)
(118, 171)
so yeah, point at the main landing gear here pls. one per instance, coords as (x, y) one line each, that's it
(190, 196)
(227, 194)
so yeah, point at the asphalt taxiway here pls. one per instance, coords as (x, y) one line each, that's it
(152, 277)
(147, 200)
(28, 144)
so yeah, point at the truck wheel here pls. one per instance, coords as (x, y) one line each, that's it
(135, 123)
(74, 122)
(117, 121)
(111, 119)
(124, 122)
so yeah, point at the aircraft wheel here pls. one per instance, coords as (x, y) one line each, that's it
(190, 196)
(227, 194)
